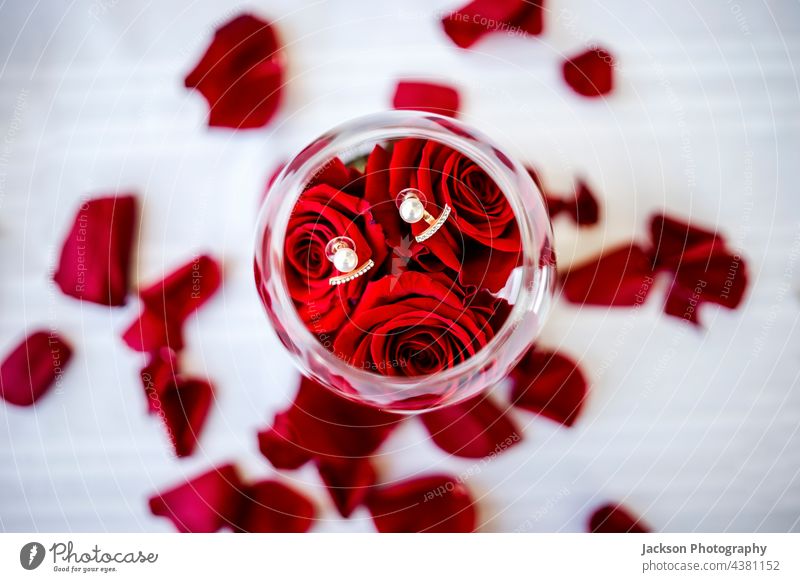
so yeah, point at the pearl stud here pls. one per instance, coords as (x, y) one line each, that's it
(341, 251)
(411, 205)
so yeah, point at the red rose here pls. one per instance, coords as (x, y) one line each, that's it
(481, 239)
(321, 214)
(414, 324)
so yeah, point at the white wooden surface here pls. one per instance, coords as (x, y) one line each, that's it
(695, 430)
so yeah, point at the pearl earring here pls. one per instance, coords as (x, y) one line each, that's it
(411, 205)
(341, 251)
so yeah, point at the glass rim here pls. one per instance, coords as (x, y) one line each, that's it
(531, 298)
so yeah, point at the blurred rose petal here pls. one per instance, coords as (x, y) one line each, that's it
(436, 503)
(203, 504)
(158, 375)
(472, 429)
(241, 74)
(549, 384)
(279, 446)
(348, 481)
(96, 254)
(272, 507)
(186, 406)
(619, 277)
(615, 519)
(424, 96)
(326, 425)
(480, 17)
(31, 368)
(590, 73)
(169, 302)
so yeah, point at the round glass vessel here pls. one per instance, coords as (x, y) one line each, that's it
(405, 261)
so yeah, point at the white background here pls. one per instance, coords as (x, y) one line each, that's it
(693, 429)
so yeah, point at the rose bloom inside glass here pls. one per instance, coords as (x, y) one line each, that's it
(405, 261)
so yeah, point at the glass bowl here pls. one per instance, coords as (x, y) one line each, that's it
(528, 289)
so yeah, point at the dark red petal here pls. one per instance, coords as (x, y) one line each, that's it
(326, 425)
(473, 429)
(671, 238)
(169, 302)
(159, 375)
(437, 503)
(184, 290)
(32, 367)
(586, 208)
(272, 507)
(278, 445)
(549, 384)
(615, 519)
(590, 73)
(204, 504)
(241, 74)
(185, 407)
(348, 481)
(96, 254)
(468, 24)
(620, 277)
(422, 96)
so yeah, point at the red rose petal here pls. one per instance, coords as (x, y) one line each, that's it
(549, 384)
(348, 482)
(241, 74)
(472, 429)
(272, 507)
(620, 277)
(437, 503)
(480, 17)
(329, 426)
(169, 302)
(590, 73)
(586, 210)
(159, 375)
(185, 407)
(96, 254)
(703, 269)
(423, 96)
(32, 367)
(615, 519)
(671, 238)
(204, 504)
(279, 446)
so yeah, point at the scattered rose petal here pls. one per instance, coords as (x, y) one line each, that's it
(424, 96)
(549, 384)
(472, 429)
(279, 446)
(185, 406)
(436, 503)
(168, 303)
(272, 507)
(204, 504)
(480, 17)
(619, 277)
(32, 367)
(348, 481)
(615, 519)
(159, 375)
(586, 210)
(96, 255)
(241, 74)
(590, 73)
(702, 268)
(327, 426)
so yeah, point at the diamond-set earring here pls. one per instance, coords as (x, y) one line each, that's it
(411, 205)
(341, 251)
